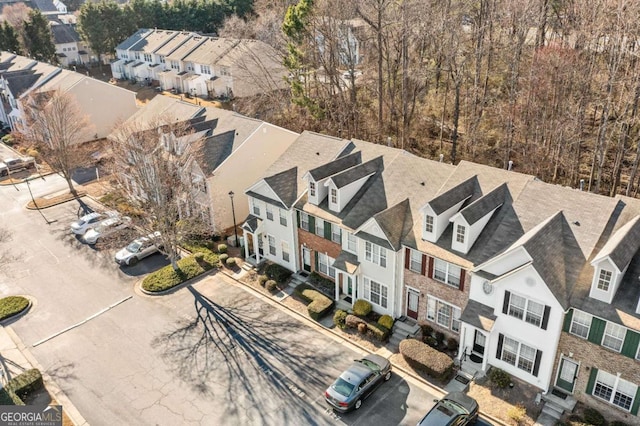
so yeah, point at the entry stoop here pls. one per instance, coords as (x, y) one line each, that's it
(556, 403)
(403, 328)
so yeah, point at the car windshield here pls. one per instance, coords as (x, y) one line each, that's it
(372, 365)
(342, 387)
(81, 222)
(134, 246)
(454, 406)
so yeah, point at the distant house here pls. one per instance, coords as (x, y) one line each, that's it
(103, 103)
(231, 153)
(198, 65)
(70, 50)
(341, 41)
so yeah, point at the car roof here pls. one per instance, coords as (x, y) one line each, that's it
(355, 373)
(462, 399)
(91, 215)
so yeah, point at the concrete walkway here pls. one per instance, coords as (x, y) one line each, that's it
(16, 358)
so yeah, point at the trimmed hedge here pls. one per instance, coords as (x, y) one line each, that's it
(277, 272)
(167, 277)
(231, 262)
(223, 258)
(339, 318)
(12, 305)
(352, 321)
(262, 279)
(594, 417)
(362, 308)
(222, 248)
(377, 331)
(26, 383)
(8, 397)
(499, 377)
(271, 286)
(386, 321)
(423, 357)
(319, 304)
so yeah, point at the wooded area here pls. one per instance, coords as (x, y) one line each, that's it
(552, 86)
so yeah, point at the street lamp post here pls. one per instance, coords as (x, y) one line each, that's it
(233, 213)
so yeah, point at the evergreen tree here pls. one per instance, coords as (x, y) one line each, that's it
(37, 37)
(9, 39)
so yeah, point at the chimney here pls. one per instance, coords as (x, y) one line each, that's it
(581, 184)
(510, 166)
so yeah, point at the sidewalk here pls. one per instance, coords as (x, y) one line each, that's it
(16, 358)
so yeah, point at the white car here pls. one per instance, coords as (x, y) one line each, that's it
(138, 249)
(82, 225)
(106, 227)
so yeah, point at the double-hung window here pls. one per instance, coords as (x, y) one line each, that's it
(272, 245)
(613, 336)
(283, 217)
(325, 263)
(334, 196)
(320, 227)
(415, 263)
(517, 306)
(336, 235)
(304, 221)
(604, 280)
(518, 354)
(256, 207)
(460, 232)
(269, 211)
(525, 309)
(614, 390)
(285, 251)
(312, 189)
(351, 242)
(428, 227)
(443, 314)
(375, 292)
(446, 272)
(580, 324)
(375, 254)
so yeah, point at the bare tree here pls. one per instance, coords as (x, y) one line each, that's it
(55, 125)
(153, 164)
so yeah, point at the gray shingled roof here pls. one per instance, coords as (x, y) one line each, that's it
(250, 223)
(623, 245)
(133, 39)
(455, 195)
(356, 173)
(484, 205)
(21, 81)
(347, 262)
(392, 222)
(336, 166)
(284, 185)
(212, 151)
(478, 315)
(64, 33)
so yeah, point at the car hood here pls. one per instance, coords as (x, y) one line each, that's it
(123, 254)
(91, 233)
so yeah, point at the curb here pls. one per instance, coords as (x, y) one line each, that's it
(68, 407)
(337, 337)
(138, 284)
(80, 195)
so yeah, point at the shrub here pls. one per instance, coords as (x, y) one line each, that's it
(499, 377)
(517, 413)
(262, 279)
(427, 330)
(380, 332)
(423, 357)
(223, 258)
(26, 383)
(431, 341)
(439, 337)
(339, 318)
(362, 308)
(222, 248)
(166, 278)
(452, 344)
(271, 286)
(362, 327)
(198, 256)
(594, 417)
(12, 305)
(231, 262)
(277, 272)
(200, 247)
(386, 321)
(319, 304)
(8, 397)
(352, 321)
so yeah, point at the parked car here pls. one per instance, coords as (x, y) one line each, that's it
(11, 164)
(138, 249)
(357, 382)
(82, 225)
(106, 227)
(455, 408)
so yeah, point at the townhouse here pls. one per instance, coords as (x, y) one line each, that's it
(199, 65)
(216, 155)
(536, 279)
(104, 104)
(70, 50)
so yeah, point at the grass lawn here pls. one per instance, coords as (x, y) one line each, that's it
(12, 305)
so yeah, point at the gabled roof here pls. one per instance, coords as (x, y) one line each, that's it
(478, 315)
(64, 33)
(623, 245)
(212, 151)
(336, 166)
(356, 173)
(484, 205)
(134, 38)
(392, 222)
(284, 185)
(455, 195)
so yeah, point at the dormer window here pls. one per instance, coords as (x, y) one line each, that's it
(460, 233)
(334, 196)
(312, 189)
(428, 223)
(604, 280)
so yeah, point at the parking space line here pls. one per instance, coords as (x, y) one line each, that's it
(102, 311)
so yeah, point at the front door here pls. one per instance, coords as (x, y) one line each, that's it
(567, 374)
(412, 304)
(478, 343)
(306, 259)
(347, 286)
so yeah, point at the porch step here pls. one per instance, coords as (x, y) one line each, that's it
(247, 266)
(406, 326)
(396, 338)
(552, 410)
(567, 404)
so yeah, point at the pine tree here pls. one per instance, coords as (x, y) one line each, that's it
(38, 39)
(9, 39)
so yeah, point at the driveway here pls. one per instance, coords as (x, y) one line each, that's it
(208, 354)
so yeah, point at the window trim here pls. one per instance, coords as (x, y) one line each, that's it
(433, 304)
(605, 335)
(461, 232)
(447, 273)
(429, 222)
(614, 390)
(417, 270)
(604, 281)
(382, 297)
(573, 319)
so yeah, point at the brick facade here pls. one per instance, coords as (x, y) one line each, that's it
(440, 290)
(317, 244)
(589, 356)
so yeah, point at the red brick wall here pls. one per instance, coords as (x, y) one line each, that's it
(317, 244)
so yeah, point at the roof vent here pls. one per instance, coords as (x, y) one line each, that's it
(422, 183)
(576, 223)
(317, 153)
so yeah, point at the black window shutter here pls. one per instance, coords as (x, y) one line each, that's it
(499, 351)
(312, 224)
(407, 258)
(315, 253)
(536, 364)
(327, 230)
(567, 321)
(505, 304)
(592, 380)
(462, 278)
(545, 317)
(596, 331)
(298, 217)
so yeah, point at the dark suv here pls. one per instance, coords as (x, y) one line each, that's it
(455, 409)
